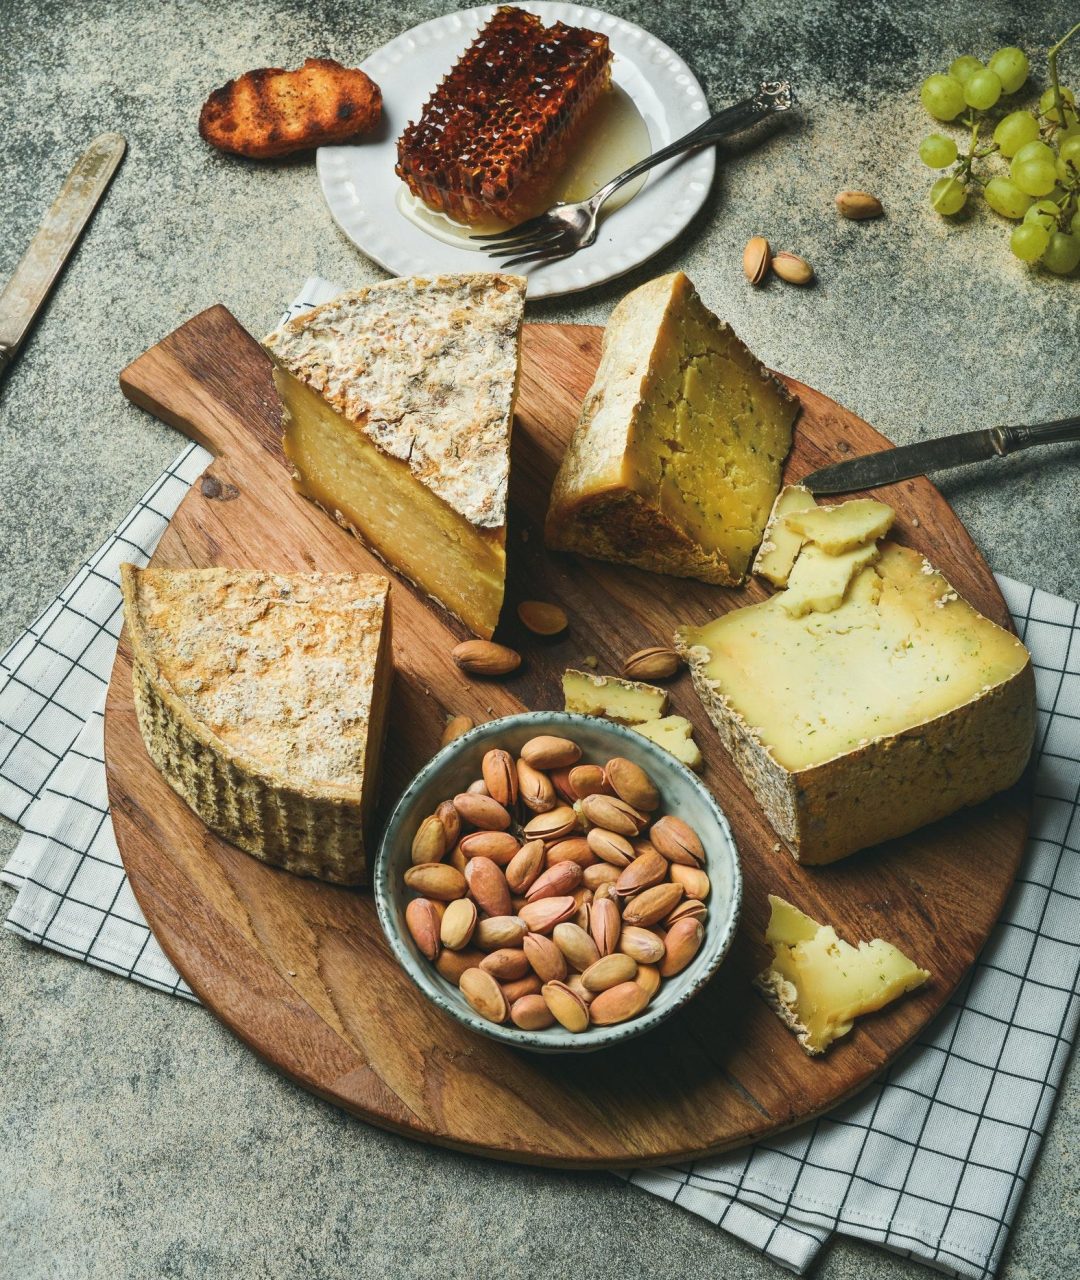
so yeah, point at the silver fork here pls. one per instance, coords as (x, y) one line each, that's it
(567, 227)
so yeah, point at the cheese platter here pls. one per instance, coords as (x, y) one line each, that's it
(300, 969)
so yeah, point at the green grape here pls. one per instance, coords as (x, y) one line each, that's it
(1014, 131)
(1071, 131)
(1034, 177)
(1011, 67)
(964, 67)
(982, 90)
(942, 96)
(1062, 253)
(1043, 213)
(1006, 198)
(1069, 148)
(936, 151)
(1029, 241)
(1035, 151)
(1049, 109)
(1074, 226)
(1068, 170)
(948, 195)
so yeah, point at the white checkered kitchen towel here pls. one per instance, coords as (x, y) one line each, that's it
(931, 1161)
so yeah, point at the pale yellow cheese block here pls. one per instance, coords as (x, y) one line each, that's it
(860, 724)
(676, 460)
(627, 701)
(780, 544)
(843, 527)
(819, 984)
(399, 402)
(674, 734)
(819, 582)
(262, 699)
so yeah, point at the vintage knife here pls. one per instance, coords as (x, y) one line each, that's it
(874, 469)
(36, 274)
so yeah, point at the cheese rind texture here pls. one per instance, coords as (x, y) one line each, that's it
(676, 460)
(819, 984)
(262, 699)
(399, 403)
(858, 725)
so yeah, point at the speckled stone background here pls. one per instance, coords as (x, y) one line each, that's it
(138, 1138)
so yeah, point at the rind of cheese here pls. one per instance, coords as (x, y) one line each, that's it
(674, 734)
(399, 403)
(862, 724)
(628, 701)
(844, 527)
(819, 984)
(262, 699)
(676, 460)
(819, 581)
(780, 544)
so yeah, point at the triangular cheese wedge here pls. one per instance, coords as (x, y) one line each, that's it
(262, 699)
(676, 461)
(399, 402)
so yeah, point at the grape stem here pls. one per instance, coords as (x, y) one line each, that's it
(1051, 63)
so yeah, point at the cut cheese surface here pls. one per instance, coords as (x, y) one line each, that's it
(844, 527)
(627, 701)
(399, 403)
(819, 984)
(676, 461)
(674, 734)
(780, 544)
(819, 581)
(903, 650)
(262, 698)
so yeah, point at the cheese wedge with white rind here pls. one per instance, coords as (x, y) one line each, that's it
(864, 723)
(676, 459)
(399, 402)
(627, 701)
(262, 699)
(819, 984)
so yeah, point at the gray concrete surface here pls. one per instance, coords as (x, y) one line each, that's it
(138, 1138)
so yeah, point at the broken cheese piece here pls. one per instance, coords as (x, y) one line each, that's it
(780, 543)
(819, 582)
(676, 460)
(818, 984)
(844, 527)
(676, 735)
(626, 701)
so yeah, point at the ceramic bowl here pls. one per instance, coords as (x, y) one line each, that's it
(682, 794)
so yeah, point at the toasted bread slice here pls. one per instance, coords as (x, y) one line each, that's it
(271, 112)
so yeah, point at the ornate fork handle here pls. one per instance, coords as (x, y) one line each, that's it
(771, 98)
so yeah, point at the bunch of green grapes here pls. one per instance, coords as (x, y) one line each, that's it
(1041, 189)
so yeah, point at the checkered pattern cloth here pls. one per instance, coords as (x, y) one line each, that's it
(930, 1161)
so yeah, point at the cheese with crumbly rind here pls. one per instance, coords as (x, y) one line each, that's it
(262, 699)
(676, 460)
(627, 701)
(819, 984)
(780, 544)
(399, 401)
(674, 734)
(854, 726)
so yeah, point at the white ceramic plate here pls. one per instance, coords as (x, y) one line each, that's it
(361, 187)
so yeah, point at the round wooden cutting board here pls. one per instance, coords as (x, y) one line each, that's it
(299, 970)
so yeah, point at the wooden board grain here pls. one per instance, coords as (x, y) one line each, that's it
(299, 970)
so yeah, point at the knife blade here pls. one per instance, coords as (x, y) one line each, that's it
(891, 465)
(37, 272)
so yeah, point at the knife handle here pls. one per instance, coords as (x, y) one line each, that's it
(1012, 439)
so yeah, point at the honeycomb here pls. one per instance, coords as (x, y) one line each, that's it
(500, 126)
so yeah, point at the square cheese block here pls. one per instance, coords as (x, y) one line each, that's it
(863, 723)
(676, 460)
(398, 407)
(819, 984)
(262, 699)
(627, 701)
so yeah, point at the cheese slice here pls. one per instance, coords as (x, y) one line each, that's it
(674, 734)
(262, 699)
(819, 582)
(676, 460)
(780, 544)
(856, 725)
(819, 984)
(398, 406)
(627, 701)
(844, 527)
